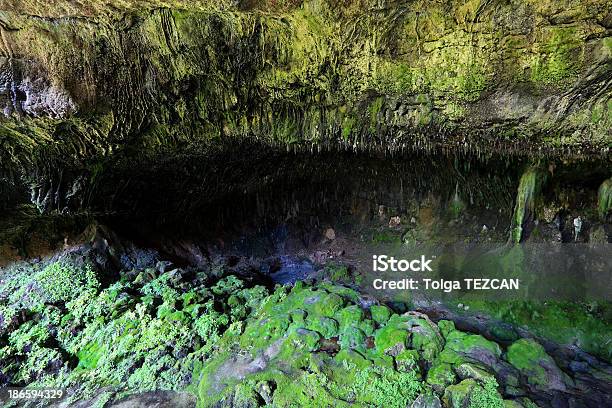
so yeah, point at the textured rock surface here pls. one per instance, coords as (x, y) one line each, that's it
(111, 322)
(90, 85)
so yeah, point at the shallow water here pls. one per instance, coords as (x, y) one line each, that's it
(292, 269)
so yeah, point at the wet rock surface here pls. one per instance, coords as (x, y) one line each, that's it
(232, 342)
(91, 94)
(246, 155)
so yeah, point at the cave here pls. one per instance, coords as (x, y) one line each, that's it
(306, 203)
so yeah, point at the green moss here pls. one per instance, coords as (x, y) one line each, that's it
(380, 314)
(350, 358)
(210, 322)
(389, 337)
(346, 380)
(457, 206)
(529, 189)
(440, 376)
(455, 111)
(64, 281)
(393, 77)
(475, 371)
(455, 71)
(90, 355)
(353, 338)
(528, 356)
(569, 323)
(282, 75)
(426, 338)
(468, 393)
(299, 339)
(348, 125)
(446, 327)
(357, 375)
(408, 360)
(323, 325)
(560, 57)
(468, 344)
(265, 331)
(328, 305)
(337, 272)
(230, 343)
(458, 396)
(539, 368)
(604, 199)
(487, 396)
(273, 315)
(374, 109)
(349, 316)
(450, 356)
(121, 339)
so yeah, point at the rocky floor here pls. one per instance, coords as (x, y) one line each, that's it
(119, 325)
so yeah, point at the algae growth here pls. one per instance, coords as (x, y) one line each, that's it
(232, 343)
(184, 124)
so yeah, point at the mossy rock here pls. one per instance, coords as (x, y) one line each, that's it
(389, 339)
(412, 330)
(450, 356)
(349, 316)
(470, 394)
(469, 370)
(427, 401)
(326, 305)
(380, 314)
(367, 326)
(301, 339)
(446, 327)
(244, 397)
(282, 310)
(457, 396)
(440, 376)
(352, 358)
(323, 325)
(265, 330)
(538, 368)
(408, 360)
(426, 337)
(473, 347)
(352, 338)
(503, 332)
(298, 318)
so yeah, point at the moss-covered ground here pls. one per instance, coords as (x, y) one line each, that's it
(231, 343)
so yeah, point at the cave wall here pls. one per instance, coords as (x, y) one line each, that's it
(88, 86)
